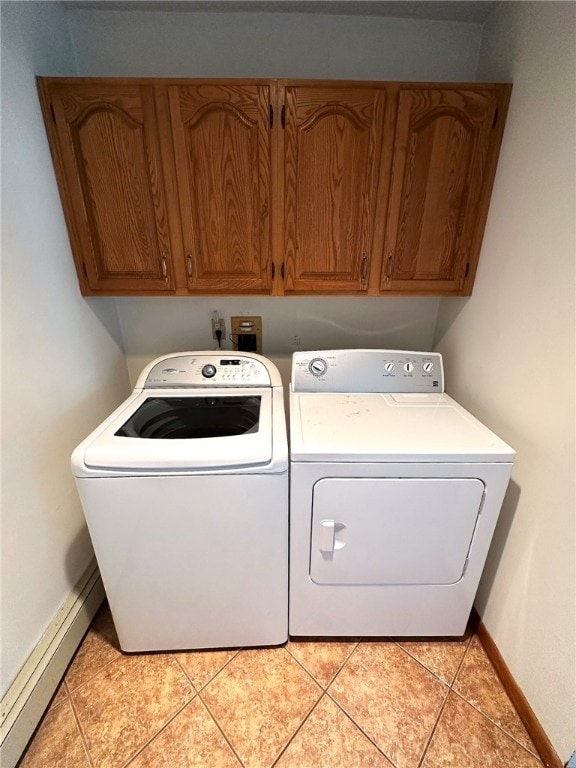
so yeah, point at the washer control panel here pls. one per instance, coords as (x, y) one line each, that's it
(367, 370)
(218, 370)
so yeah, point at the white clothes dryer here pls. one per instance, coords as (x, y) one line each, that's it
(395, 492)
(185, 491)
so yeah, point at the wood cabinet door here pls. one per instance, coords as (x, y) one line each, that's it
(222, 150)
(444, 161)
(106, 150)
(334, 161)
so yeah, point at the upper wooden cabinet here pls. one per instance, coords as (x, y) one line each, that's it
(445, 151)
(106, 149)
(265, 186)
(333, 161)
(222, 149)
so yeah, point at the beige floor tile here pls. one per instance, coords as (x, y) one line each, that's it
(58, 743)
(141, 710)
(442, 657)
(392, 698)
(259, 700)
(328, 739)
(201, 666)
(190, 740)
(127, 703)
(99, 648)
(479, 684)
(322, 659)
(464, 738)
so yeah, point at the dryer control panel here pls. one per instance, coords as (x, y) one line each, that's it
(207, 370)
(367, 370)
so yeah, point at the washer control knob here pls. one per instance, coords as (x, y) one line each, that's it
(408, 367)
(389, 367)
(209, 371)
(318, 366)
(428, 367)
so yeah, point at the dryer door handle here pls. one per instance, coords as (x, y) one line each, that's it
(326, 537)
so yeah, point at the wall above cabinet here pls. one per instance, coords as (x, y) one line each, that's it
(183, 187)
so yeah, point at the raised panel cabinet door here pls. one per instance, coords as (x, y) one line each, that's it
(444, 161)
(333, 163)
(222, 149)
(106, 150)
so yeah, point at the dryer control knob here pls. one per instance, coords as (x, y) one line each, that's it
(318, 366)
(408, 367)
(428, 367)
(209, 371)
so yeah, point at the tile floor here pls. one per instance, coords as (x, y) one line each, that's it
(349, 704)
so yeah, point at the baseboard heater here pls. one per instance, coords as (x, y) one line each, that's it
(26, 700)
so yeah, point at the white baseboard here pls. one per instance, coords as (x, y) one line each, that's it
(26, 700)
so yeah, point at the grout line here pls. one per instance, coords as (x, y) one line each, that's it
(362, 731)
(445, 683)
(340, 707)
(99, 633)
(450, 690)
(433, 731)
(497, 725)
(343, 665)
(346, 660)
(196, 691)
(170, 719)
(79, 726)
(429, 671)
(157, 733)
(222, 668)
(297, 731)
(217, 724)
(186, 675)
(220, 728)
(52, 704)
(462, 660)
(199, 688)
(301, 665)
(95, 675)
(205, 703)
(349, 716)
(472, 636)
(160, 730)
(421, 663)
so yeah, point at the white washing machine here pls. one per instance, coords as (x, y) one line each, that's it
(395, 491)
(185, 491)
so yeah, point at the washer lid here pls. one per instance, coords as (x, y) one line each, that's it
(180, 430)
(406, 427)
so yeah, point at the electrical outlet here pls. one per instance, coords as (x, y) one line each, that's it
(218, 324)
(296, 342)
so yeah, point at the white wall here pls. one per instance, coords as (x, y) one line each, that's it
(152, 43)
(509, 357)
(192, 44)
(321, 323)
(62, 363)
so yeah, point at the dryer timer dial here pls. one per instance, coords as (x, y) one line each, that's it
(318, 366)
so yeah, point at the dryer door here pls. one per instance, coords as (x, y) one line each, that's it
(393, 530)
